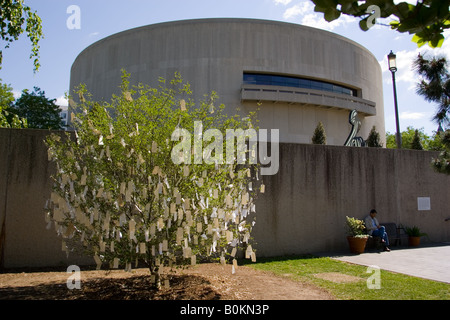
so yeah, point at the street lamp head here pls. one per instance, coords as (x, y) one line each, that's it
(392, 61)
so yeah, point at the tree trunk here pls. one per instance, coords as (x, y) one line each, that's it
(2, 242)
(154, 271)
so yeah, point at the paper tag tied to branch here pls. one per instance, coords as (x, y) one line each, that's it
(183, 105)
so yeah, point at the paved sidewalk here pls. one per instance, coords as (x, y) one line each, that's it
(430, 261)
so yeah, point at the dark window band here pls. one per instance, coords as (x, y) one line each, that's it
(285, 81)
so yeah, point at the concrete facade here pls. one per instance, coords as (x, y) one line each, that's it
(213, 54)
(25, 186)
(317, 186)
(302, 211)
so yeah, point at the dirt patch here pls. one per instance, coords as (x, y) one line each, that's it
(201, 282)
(337, 277)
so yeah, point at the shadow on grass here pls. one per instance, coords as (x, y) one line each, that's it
(262, 260)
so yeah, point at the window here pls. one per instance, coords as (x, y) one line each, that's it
(286, 81)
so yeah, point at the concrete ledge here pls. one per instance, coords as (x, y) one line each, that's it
(251, 92)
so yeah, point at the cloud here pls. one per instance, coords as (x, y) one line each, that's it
(408, 115)
(317, 21)
(445, 49)
(295, 11)
(62, 102)
(17, 94)
(305, 12)
(283, 2)
(405, 59)
(405, 73)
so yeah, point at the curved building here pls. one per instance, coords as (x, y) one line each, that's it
(295, 76)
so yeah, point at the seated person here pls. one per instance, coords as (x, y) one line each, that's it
(374, 229)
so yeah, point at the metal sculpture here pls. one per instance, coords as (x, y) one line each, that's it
(353, 140)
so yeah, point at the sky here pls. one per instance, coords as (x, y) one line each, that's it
(101, 18)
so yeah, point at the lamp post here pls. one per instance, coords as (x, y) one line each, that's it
(392, 61)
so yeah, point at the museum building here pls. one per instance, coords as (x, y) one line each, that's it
(293, 76)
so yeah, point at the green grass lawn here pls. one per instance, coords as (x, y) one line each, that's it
(394, 286)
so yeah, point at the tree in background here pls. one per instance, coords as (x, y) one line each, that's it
(441, 163)
(426, 20)
(374, 140)
(433, 143)
(407, 138)
(120, 198)
(8, 119)
(319, 136)
(435, 85)
(39, 111)
(416, 144)
(15, 19)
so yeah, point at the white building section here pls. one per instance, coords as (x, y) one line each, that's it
(295, 76)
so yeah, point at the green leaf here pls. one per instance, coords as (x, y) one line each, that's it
(325, 3)
(332, 14)
(363, 25)
(348, 7)
(417, 39)
(441, 8)
(394, 24)
(403, 10)
(437, 42)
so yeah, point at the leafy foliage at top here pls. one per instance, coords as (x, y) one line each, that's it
(426, 20)
(15, 19)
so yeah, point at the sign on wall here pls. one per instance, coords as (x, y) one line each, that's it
(423, 204)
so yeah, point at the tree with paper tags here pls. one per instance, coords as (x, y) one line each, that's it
(132, 187)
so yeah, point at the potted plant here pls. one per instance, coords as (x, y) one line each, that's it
(414, 235)
(356, 235)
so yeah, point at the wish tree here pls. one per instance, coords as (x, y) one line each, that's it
(120, 197)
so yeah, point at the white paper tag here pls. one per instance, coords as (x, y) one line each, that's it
(98, 261)
(183, 105)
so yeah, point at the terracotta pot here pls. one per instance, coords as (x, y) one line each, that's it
(357, 245)
(414, 241)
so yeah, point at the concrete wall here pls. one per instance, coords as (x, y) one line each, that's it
(25, 185)
(212, 55)
(302, 211)
(317, 186)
